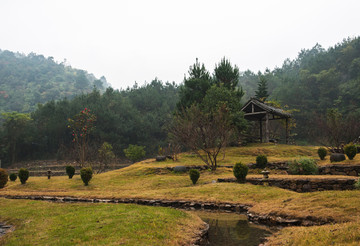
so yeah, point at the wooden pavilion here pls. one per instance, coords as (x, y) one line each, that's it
(256, 110)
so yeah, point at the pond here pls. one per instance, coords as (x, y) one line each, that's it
(233, 229)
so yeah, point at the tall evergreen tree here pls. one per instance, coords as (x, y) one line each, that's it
(226, 74)
(262, 92)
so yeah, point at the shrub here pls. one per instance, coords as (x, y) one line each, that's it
(336, 157)
(3, 178)
(357, 184)
(13, 176)
(23, 175)
(304, 166)
(322, 153)
(194, 175)
(135, 152)
(86, 175)
(240, 171)
(70, 171)
(261, 161)
(350, 150)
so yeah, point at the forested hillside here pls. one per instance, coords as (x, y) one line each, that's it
(315, 82)
(28, 80)
(133, 116)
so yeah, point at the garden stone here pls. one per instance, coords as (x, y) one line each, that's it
(180, 169)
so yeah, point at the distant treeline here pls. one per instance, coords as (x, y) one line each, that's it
(133, 116)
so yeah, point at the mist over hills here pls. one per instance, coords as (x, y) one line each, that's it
(26, 80)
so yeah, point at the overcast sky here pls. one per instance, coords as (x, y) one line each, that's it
(138, 40)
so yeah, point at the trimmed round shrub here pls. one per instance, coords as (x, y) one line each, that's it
(13, 176)
(336, 157)
(86, 174)
(350, 150)
(304, 166)
(70, 171)
(194, 175)
(322, 152)
(261, 161)
(23, 175)
(3, 178)
(240, 171)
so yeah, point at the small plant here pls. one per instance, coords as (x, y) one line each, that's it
(70, 171)
(135, 152)
(261, 161)
(240, 171)
(322, 152)
(304, 166)
(86, 175)
(3, 178)
(357, 184)
(13, 176)
(194, 175)
(350, 150)
(23, 175)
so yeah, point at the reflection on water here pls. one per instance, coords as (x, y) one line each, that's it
(232, 229)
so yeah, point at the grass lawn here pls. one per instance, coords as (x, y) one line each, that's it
(146, 180)
(46, 223)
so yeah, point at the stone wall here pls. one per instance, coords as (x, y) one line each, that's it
(302, 185)
(340, 169)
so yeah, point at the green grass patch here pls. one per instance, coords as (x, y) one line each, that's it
(46, 223)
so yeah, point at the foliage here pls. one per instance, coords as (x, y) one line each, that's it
(26, 80)
(194, 175)
(261, 161)
(322, 152)
(226, 74)
(204, 133)
(357, 184)
(262, 93)
(240, 171)
(195, 86)
(350, 150)
(82, 125)
(3, 178)
(106, 155)
(13, 176)
(15, 124)
(70, 171)
(303, 166)
(23, 175)
(135, 152)
(86, 174)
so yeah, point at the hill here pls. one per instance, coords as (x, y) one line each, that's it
(26, 80)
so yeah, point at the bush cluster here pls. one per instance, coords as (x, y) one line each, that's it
(23, 175)
(70, 171)
(13, 176)
(261, 161)
(240, 171)
(86, 174)
(304, 166)
(194, 175)
(3, 178)
(350, 150)
(322, 152)
(135, 152)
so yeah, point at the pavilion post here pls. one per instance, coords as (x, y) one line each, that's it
(267, 128)
(261, 134)
(287, 131)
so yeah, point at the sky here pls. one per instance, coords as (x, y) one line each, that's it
(140, 40)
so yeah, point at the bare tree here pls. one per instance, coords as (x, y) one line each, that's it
(204, 133)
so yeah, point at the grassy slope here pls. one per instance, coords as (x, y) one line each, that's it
(145, 181)
(46, 223)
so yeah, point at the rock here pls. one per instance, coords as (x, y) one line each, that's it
(336, 157)
(180, 169)
(160, 158)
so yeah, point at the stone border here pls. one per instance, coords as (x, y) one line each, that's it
(4, 229)
(340, 169)
(302, 184)
(265, 219)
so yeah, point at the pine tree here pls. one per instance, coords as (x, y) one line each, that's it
(262, 92)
